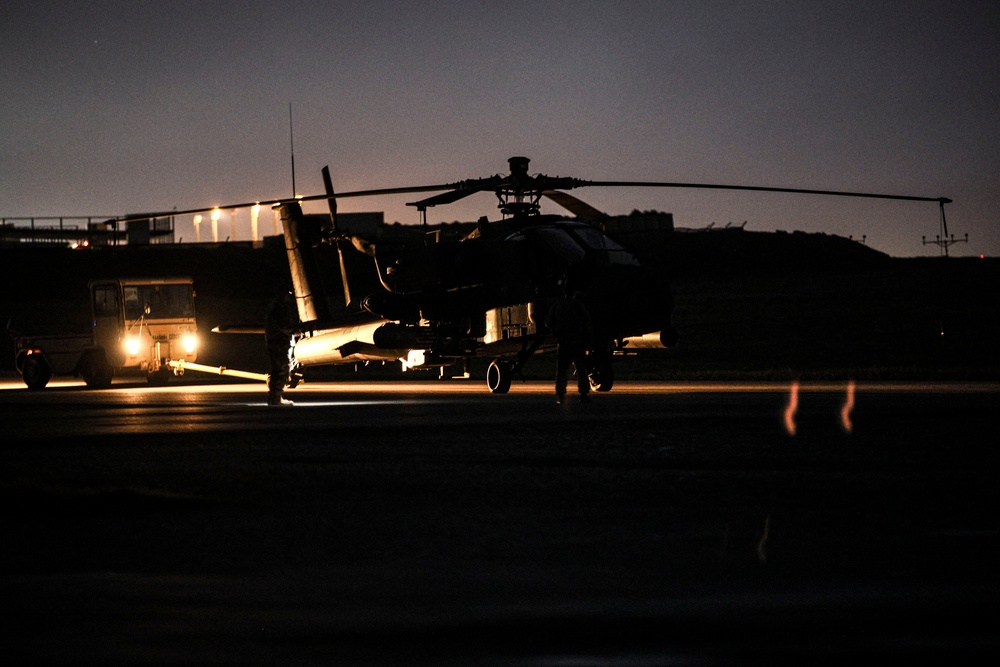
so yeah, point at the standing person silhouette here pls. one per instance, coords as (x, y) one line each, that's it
(279, 335)
(569, 321)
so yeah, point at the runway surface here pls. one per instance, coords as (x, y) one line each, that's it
(430, 522)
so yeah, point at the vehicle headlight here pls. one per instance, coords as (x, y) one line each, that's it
(132, 345)
(190, 343)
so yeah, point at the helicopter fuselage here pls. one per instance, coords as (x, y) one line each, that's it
(485, 295)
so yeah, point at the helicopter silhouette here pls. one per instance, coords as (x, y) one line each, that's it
(440, 303)
(445, 302)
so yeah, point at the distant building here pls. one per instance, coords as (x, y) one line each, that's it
(72, 231)
(78, 231)
(151, 231)
(365, 225)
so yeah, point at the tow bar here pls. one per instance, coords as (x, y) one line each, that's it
(179, 366)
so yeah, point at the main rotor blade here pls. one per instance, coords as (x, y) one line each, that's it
(464, 188)
(443, 198)
(581, 209)
(288, 200)
(756, 188)
(371, 193)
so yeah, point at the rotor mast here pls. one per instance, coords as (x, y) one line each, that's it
(515, 193)
(519, 193)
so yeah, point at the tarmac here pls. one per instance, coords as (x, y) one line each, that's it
(433, 523)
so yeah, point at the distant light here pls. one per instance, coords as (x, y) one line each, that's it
(190, 344)
(215, 224)
(254, 214)
(132, 345)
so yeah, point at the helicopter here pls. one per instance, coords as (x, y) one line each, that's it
(486, 294)
(442, 303)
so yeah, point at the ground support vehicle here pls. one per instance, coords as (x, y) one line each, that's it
(140, 324)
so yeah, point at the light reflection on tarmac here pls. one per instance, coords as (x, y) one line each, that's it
(433, 523)
(528, 387)
(136, 407)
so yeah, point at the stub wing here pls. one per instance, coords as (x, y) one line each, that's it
(348, 343)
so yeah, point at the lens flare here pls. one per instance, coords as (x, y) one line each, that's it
(762, 544)
(793, 406)
(845, 411)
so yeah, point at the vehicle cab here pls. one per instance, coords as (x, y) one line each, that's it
(144, 322)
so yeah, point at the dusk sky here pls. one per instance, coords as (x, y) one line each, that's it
(109, 108)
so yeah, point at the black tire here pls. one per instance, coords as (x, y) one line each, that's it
(96, 370)
(159, 378)
(498, 377)
(35, 372)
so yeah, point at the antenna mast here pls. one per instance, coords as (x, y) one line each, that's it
(943, 239)
(291, 140)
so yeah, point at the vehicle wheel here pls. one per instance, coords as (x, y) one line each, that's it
(498, 377)
(602, 378)
(35, 372)
(159, 378)
(96, 370)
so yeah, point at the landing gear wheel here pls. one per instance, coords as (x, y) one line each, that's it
(35, 373)
(498, 376)
(602, 377)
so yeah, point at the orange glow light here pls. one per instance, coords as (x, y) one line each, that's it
(793, 406)
(845, 411)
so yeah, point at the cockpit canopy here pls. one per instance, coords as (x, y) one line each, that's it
(573, 242)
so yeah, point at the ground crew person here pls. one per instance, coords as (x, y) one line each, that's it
(279, 334)
(569, 321)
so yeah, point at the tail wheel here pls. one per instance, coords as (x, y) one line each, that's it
(498, 377)
(35, 372)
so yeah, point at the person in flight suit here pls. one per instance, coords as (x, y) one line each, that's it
(569, 321)
(279, 335)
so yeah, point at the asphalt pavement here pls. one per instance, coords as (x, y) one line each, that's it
(433, 523)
